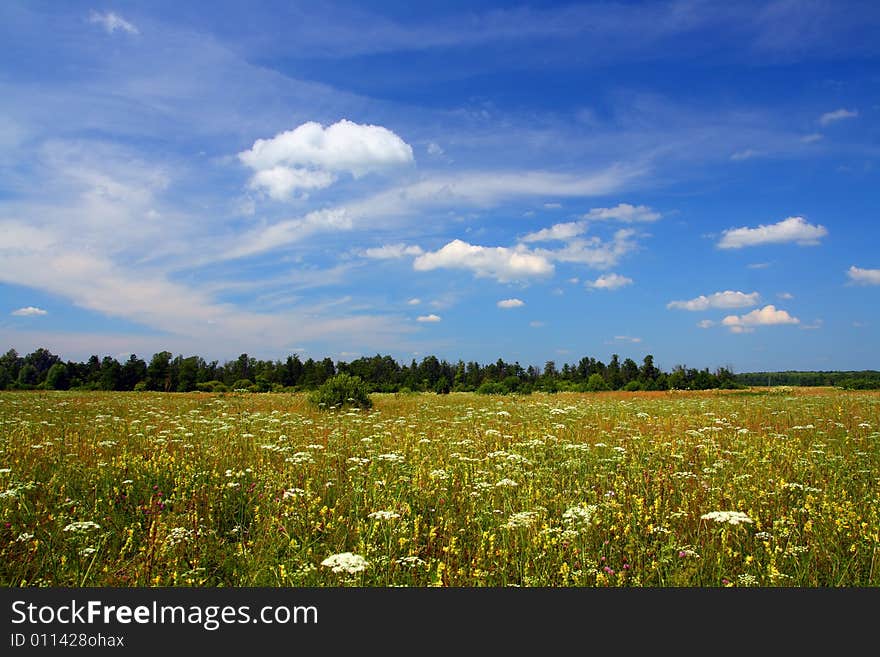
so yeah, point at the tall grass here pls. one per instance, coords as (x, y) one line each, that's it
(607, 489)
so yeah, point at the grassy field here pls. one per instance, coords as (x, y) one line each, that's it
(773, 488)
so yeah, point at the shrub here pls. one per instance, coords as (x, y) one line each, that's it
(342, 391)
(596, 383)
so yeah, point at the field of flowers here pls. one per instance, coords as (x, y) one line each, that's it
(778, 487)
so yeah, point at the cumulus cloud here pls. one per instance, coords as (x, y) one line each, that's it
(280, 182)
(594, 252)
(428, 318)
(837, 115)
(705, 323)
(609, 282)
(112, 22)
(864, 276)
(29, 311)
(310, 156)
(726, 299)
(511, 303)
(766, 316)
(392, 251)
(560, 232)
(623, 212)
(501, 263)
(792, 229)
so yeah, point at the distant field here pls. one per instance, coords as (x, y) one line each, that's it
(778, 487)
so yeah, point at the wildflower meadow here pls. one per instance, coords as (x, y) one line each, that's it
(760, 487)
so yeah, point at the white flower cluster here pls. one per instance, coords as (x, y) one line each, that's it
(730, 517)
(346, 562)
(81, 527)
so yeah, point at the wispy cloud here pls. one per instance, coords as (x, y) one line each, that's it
(726, 299)
(792, 229)
(837, 115)
(747, 154)
(627, 338)
(625, 213)
(112, 22)
(393, 251)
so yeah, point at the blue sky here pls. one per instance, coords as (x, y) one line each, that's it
(696, 180)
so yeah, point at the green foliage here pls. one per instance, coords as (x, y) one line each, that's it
(244, 384)
(342, 391)
(596, 383)
(56, 378)
(632, 386)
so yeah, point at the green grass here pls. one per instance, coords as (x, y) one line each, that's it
(606, 489)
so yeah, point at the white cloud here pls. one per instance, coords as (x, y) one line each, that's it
(812, 138)
(499, 262)
(511, 303)
(562, 232)
(344, 146)
(310, 156)
(705, 323)
(428, 318)
(593, 252)
(434, 149)
(627, 338)
(280, 182)
(609, 282)
(623, 212)
(785, 295)
(552, 206)
(792, 229)
(537, 324)
(392, 251)
(864, 276)
(766, 316)
(837, 115)
(29, 311)
(812, 327)
(112, 22)
(758, 265)
(744, 155)
(726, 299)
(414, 302)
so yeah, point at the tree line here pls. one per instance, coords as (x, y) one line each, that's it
(166, 372)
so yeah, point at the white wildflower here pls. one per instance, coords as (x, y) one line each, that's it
(346, 562)
(730, 517)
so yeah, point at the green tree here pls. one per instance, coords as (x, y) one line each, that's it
(28, 376)
(596, 382)
(57, 378)
(159, 372)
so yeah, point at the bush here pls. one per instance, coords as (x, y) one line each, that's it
(342, 391)
(596, 383)
(633, 386)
